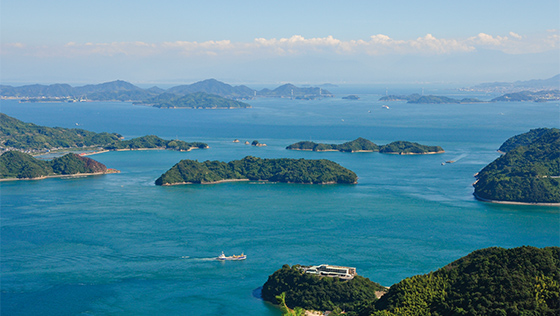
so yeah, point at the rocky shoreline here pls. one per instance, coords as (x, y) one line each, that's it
(74, 175)
(513, 202)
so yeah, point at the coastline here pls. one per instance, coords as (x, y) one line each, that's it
(514, 203)
(74, 175)
(241, 180)
(411, 153)
(212, 182)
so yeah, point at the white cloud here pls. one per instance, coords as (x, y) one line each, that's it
(379, 44)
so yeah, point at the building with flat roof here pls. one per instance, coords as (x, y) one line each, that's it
(331, 271)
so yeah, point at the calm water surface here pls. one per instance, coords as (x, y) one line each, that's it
(119, 245)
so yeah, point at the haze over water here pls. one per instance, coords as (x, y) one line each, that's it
(118, 244)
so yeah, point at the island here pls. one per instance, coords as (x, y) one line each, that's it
(430, 99)
(490, 281)
(15, 165)
(195, 100)
(253, 168)
(363, 145)
(351, 97)
(358, 145)
(409, 148)
(528, 173)
(28, 137)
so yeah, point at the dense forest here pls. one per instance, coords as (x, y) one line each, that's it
(15, 164)
(17, 135)
(528, 173)
(524, 139)
(362, 144)
(253, 168)
(319, 293)
(491, 281)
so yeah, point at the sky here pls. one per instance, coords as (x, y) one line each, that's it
(302, 42)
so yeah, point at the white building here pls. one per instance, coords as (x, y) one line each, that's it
(331, 271)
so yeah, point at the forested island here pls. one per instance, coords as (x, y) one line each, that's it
(491, 281)
(17, 135)
(253, 168)
(196, 100)
(363, 145)
(358, 145)
(529, 171)
(430, 99)
(17, 165)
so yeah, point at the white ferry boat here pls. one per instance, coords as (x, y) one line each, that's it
(231, 258)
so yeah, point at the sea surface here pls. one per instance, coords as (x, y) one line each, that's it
(119, 245)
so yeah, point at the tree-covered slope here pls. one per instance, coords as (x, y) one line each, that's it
(17, 135)
(15, 164)
(527, 173)
(492, 281)
(524, 139)
(253, 168)
(318, 293)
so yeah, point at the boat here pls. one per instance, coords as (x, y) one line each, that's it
(223, 257)
(385, 107)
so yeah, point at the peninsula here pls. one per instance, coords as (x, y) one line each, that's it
(253, 168)
(363, 145)
(28, 137)
(528, 173)
(490, 281)
(15, 165)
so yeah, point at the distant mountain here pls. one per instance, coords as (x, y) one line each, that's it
(124, 91)
(213, 86)
(114, 90)
(509, 87)
(537, 96)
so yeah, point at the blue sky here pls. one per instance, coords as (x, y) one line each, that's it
(169, 41)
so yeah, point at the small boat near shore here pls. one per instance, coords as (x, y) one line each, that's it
(223, 257)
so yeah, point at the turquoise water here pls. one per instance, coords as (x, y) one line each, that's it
(119, 245)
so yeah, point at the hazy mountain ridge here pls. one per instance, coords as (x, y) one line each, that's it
(552, 83)
(120, 90)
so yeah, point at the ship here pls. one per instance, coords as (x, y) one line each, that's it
(223, 257)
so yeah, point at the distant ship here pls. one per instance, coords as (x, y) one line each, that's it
(385, 107)
(223, 257)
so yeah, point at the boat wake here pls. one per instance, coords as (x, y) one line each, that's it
(199, 259)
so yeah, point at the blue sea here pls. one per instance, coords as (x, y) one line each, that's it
(119, 245)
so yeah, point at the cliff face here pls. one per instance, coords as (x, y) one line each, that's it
(92, 165)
